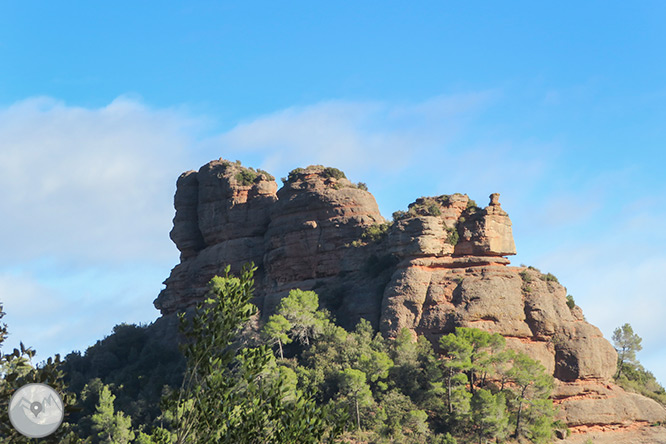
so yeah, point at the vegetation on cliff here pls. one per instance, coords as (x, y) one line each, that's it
(631, 375)
(302, 378)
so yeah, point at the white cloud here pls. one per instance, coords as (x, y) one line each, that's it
(87, 197)
(354, 136)
(88, 184)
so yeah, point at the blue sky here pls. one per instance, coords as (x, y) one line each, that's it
(557, 106)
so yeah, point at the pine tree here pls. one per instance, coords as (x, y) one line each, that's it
(456, 353)
(354, 387)
(532, 389)
(276, 331)
(226, 396)
(489, 415)
(300, 308)
(627, 343)
(112, 427)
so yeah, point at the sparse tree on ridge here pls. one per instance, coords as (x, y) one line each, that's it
(627, 343)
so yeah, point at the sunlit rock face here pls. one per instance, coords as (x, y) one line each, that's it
(439, 265)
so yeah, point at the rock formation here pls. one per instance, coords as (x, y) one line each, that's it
(439, 265)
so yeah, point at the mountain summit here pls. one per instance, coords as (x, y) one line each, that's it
(439, 265)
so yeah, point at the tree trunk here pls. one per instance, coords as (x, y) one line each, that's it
(280, 345)
(520, 411)
(449, 392)
(619, 364)
(358, 417)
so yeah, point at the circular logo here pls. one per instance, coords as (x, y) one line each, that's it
(36, 410)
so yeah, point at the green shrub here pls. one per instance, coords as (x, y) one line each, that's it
(266, 174)
(526, 276)
(452, 236)
(570, 301)
(433, 209)
(549, 278)
(376, 232)
(425, 206)
(334, 173)
(399, 215)
(293, 174)
(362, 186)
(471, 204)
(527, 279)
(246, 177)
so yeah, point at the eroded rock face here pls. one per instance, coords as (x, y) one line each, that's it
(438, 266)
(222, 213)
(313, 220)
(487, 232)
(185, 233)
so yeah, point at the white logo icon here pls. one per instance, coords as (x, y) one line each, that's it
(36, 410)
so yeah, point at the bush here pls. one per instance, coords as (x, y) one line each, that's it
(334, 173)
(434, 210)
(372, 233)
(549, 278)
(293, 174)
(425, 206)
(266, 174)
(362, 186)
(570, 301)
(376, 232)
(452, 236)
(246, 177)
(399, 215)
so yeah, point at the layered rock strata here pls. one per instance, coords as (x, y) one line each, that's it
(439, 265)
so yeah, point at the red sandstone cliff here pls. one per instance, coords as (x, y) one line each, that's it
(440, 265)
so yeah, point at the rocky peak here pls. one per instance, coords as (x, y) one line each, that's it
(486, 231)
(438, 265)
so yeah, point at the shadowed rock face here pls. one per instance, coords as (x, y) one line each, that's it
(222, 213)
(438, 266)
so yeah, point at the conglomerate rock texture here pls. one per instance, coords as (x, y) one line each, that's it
(437, 266)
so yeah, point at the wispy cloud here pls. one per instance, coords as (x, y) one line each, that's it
(87, 198)
(88, 184)
(355, 136)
